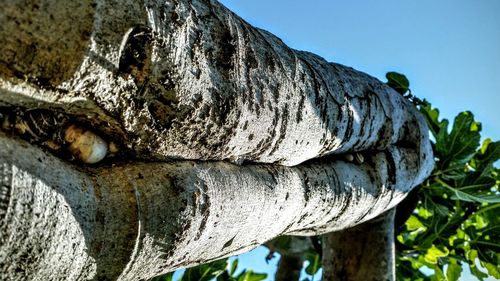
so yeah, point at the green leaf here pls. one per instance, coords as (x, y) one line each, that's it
(454, 270)
(471, 256)
(432, 117)
(489, 153)
(438, 274)
(234, 265)
(460, 145)
(225, 277)
(471, 197)
(434, 253)
(478, 273)
(413, 223)
(257, 276)
(493, 270)
(205, 272)
(407, 270)
(251, 276)
(314, 263)
(398, 82)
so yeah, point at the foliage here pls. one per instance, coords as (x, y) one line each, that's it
(455, 220)
(219, 270)
(314, 263)
(398, 82)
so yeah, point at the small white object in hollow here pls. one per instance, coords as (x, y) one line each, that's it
(85, 145)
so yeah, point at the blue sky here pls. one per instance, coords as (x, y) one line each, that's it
(449, 49)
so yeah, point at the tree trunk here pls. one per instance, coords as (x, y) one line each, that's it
(292, 250)
(289, 268)
(364, 252)
(172, 81)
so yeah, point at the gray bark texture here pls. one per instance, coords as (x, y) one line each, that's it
(361, 253)
(226, 138)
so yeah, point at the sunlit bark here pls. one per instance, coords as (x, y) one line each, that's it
(173, 81)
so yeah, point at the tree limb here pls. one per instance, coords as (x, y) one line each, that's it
(186, 80)
(207, 86)
(363, 252)
(139, 220)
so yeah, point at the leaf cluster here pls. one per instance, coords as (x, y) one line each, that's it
(456, 220)
(313, 264)
(220, 270)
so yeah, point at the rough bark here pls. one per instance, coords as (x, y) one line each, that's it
(139, 220)
(185, 80)
(206, 86)
(364, 252)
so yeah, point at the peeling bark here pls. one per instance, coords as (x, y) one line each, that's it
(185, 80)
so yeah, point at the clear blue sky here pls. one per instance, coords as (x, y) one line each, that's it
(449, 49)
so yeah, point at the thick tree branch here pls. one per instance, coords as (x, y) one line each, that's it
(206, 86)
(185, 80)
(140, 220)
